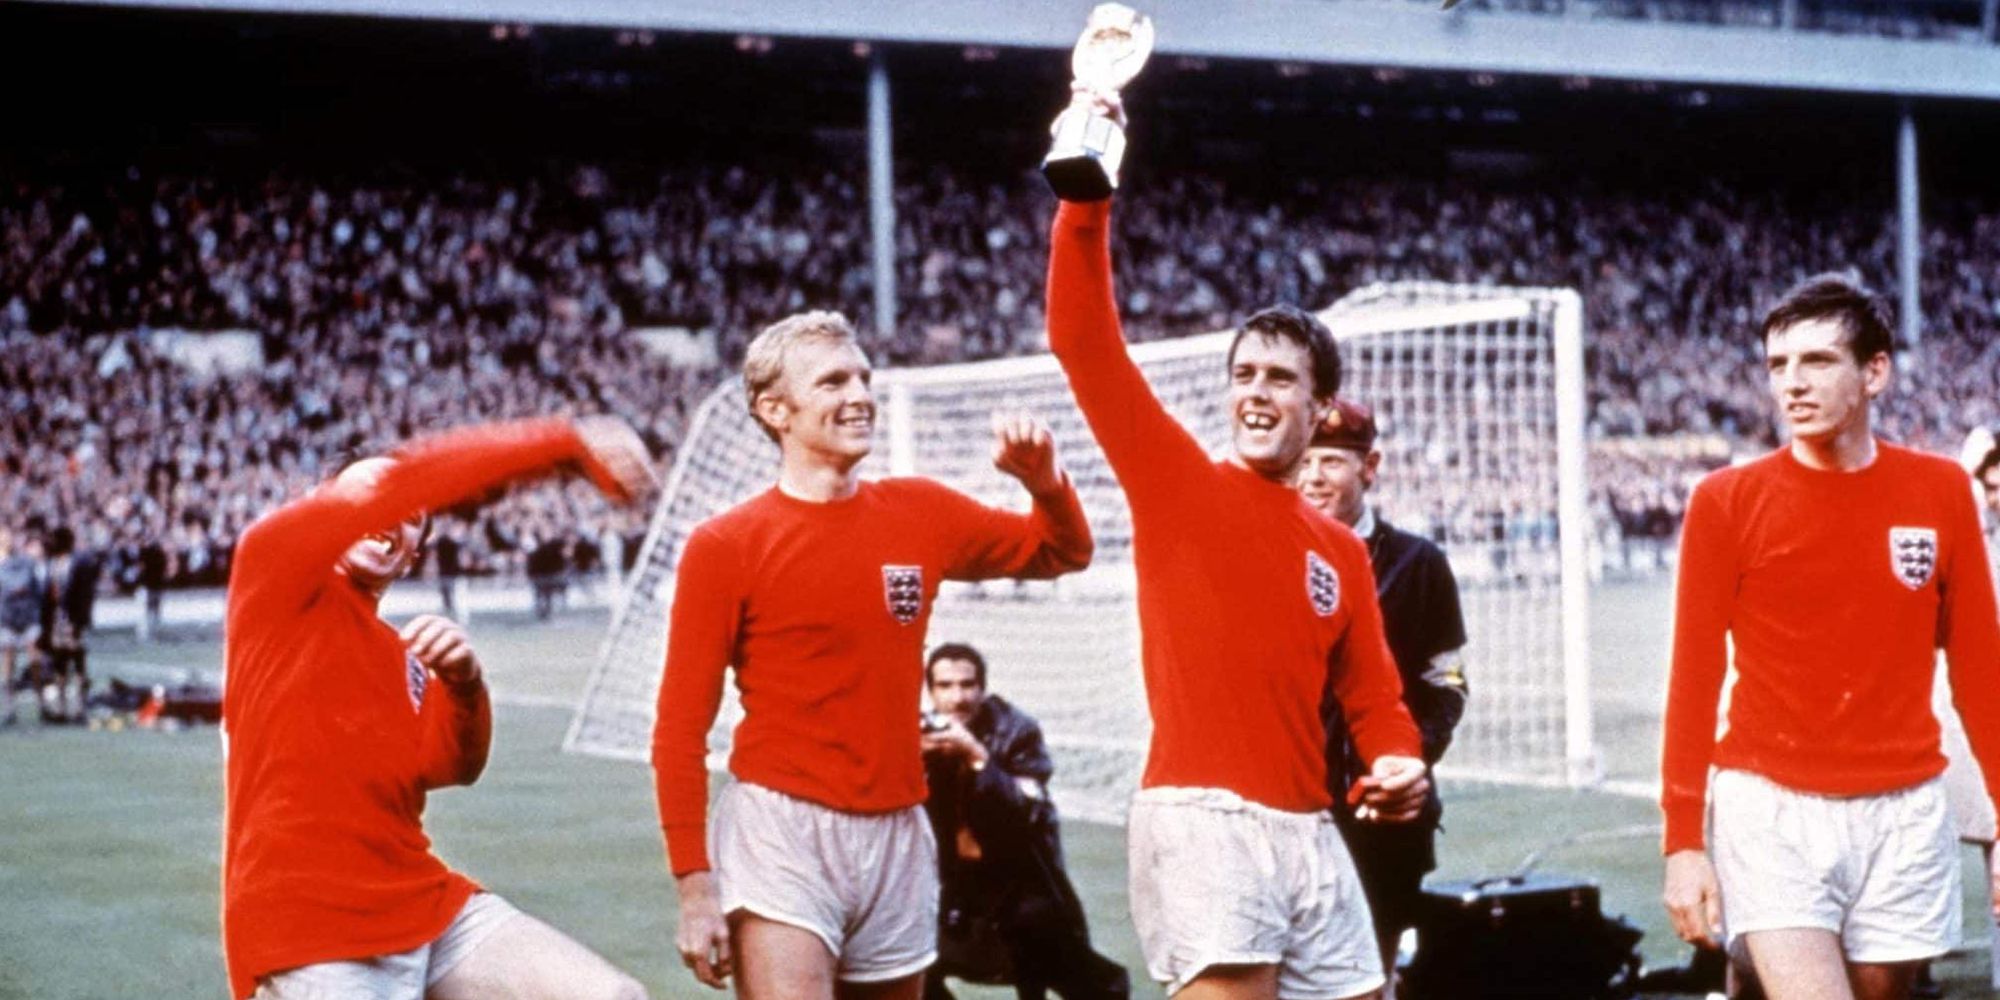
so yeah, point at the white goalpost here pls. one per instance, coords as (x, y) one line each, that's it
(1479, 393)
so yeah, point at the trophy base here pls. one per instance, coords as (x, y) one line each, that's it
(1078, 178)
(1083, 159)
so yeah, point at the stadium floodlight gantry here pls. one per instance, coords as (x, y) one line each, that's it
(1480, 392)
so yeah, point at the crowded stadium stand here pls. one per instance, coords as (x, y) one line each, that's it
(419, 223)
(242, 241)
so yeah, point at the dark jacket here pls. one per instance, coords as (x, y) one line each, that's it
(1421, 618)
(152, 565)
(1018, 885)
(1007, 808)
(76, 597)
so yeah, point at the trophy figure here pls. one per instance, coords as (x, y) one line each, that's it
(1082, 164)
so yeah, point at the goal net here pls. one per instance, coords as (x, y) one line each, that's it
(1479, 394)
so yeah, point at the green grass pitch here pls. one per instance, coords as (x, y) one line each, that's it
(110, 842)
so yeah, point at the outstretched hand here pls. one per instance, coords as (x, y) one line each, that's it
(1024, 448)
(614, 445)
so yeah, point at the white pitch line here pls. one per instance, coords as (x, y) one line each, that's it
(213, 675)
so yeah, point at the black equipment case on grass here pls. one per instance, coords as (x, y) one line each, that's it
(1520, 936)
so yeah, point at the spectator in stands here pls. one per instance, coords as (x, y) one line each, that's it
(71, 581)
(1008, 912)
(548, 568)
(450, 571)
(155, 566)
(478, 297)
(21, 597)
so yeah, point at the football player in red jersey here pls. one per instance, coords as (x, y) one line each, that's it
(1828, 573)
(1252, 604)
(822, 876)
(337, 727)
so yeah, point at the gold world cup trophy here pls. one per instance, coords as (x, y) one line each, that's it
(1083, 159)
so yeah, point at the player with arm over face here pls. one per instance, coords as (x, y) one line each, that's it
(1248, 600)
(337, 726)
(1836, 567)
(823, 876)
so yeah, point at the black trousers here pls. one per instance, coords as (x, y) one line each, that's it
(1392, 861)
(1050, 960)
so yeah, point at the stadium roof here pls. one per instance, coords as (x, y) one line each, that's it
(1312, 31)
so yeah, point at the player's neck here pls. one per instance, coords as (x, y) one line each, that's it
(1269, 472)
(814, 480)
(1850, 450)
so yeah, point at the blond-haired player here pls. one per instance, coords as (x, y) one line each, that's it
(817, 874)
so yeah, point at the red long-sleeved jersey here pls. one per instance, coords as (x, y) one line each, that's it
(1837, 588)
(328, 759)
(1247, 595)
(822, 609)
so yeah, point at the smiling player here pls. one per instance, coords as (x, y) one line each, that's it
(1250, 603)
(823, 879)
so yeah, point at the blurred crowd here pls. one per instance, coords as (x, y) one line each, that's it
(1914, 20)
(402, 301)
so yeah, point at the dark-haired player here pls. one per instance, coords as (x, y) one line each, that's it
(1836, 566)
(1249, 602)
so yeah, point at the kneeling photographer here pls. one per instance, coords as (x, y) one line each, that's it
(1008, 912)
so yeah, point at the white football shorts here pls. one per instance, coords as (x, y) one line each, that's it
(1219, 880)
(405, 975)
(1879, 871)
(865, 884)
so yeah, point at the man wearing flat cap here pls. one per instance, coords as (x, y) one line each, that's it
(1426, 632)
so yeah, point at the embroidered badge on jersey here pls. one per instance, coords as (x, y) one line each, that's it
(417, 677)
(903, 587)
(1913, 552)
(1322, 584)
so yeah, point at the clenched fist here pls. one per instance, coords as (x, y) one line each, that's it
(1024, 448)
(440, 644)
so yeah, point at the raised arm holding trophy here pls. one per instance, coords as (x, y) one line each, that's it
(1089, 136)
(1252, 605)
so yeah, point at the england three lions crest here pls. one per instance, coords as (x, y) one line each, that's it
(1322, 584)
(1913, 552)
(903, 588)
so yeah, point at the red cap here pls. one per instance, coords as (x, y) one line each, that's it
(1348, 425)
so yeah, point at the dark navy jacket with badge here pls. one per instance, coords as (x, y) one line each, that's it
(1425, 630)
